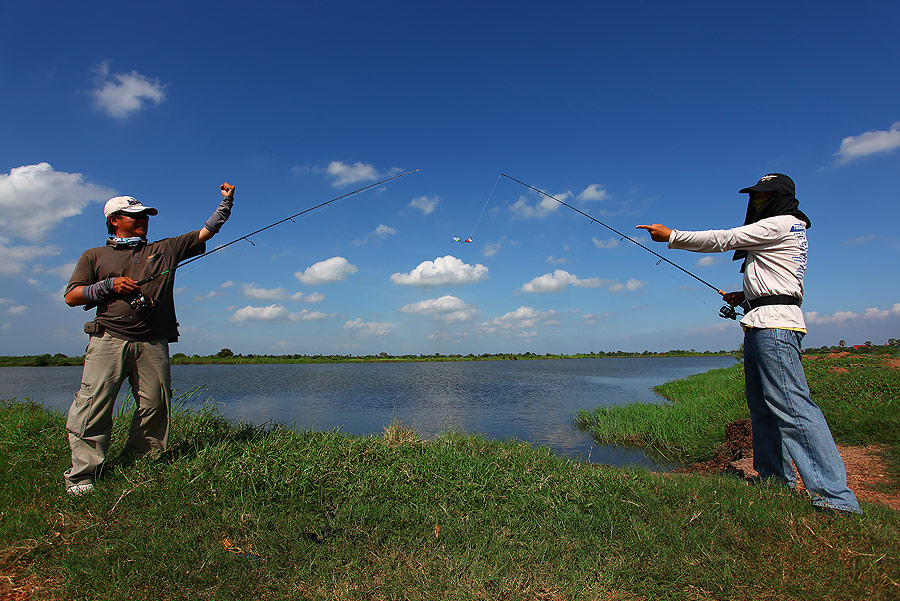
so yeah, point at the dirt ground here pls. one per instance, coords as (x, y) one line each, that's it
(867, 473)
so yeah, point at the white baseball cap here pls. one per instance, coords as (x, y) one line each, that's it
(126, 204)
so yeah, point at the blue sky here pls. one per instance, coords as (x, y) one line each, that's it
(633, 112)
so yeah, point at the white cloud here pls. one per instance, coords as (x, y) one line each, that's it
(121, 94)
(593, 192)
(443, 270)
(307, 315)
(35, 198)
(379, 233)
(539, 210)
(345, 174)
(329, 270)
(209, 295)
(556, 261)
(426, 204)
(276, 312)
(523, 317)
(591, 319)
(870, 142)
(839, 317)
(255, 292)
(707, 261)
(446, 308)
(227, 284)
(13, 259)
(610, 243)
(559, 280)
(63, 272)
(368, 329)
(630, 286)
(251, 313)
(860, 240)
(17, 309)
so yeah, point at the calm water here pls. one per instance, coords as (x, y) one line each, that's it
(534, 401)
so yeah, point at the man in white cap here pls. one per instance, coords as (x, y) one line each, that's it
(787, 425)
(130, 335)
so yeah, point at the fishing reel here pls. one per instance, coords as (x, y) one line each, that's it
(141, 302)
(729, 312)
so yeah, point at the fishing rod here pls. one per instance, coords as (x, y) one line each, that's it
(142, 301)
(727, 311)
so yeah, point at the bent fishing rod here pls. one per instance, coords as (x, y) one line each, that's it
(142, 301)
(727, 311)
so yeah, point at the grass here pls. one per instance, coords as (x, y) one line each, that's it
(859, 395)
(324, 515)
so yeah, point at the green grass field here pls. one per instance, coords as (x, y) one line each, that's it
(331, 516)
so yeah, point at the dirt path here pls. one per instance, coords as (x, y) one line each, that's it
(867, 473)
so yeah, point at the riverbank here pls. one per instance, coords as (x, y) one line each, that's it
(242, 512)
(226, 357)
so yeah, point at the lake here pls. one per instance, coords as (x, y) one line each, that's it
(534, 401)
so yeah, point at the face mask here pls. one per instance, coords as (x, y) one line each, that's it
(128, 241)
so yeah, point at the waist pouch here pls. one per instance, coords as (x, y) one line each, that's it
(92, 327)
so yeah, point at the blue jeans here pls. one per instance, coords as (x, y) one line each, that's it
(787, 424)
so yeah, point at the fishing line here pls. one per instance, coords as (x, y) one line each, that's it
(246, 237)
(486, 203)
(724, 311)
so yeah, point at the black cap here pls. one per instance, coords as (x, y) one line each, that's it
(773, 182)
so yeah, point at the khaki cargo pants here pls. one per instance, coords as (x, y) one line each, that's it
(107, 362)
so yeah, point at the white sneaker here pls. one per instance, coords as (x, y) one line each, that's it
(79, 490)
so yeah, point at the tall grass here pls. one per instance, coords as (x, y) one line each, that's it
(684, 429)
(859, 395)
(324, 515)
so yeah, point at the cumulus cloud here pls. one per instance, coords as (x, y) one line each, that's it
(251, 313)
(14, 259)
(556, 260)
(17, 309)
(544, 207)
(122, 94)
(560, 280)
(63, 272)
(593, 192)
(35, 198)
(209, 295)
(523, 317)
(345, 174)
(610, 243)
(276, 312)
(839, 317)
(307, 315)
(426, 204)
(334, 269)
(707, 261)
(631, 285)
(591, 319)
(368, 329)
(446, 308)
(870, 142)
(443, 270)
(258, 293)
(379, 233)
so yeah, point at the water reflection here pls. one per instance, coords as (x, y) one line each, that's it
(533, 401)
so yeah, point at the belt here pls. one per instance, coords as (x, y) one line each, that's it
(775, 299)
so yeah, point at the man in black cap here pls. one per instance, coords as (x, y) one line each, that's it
(130, 335)
(787, 424)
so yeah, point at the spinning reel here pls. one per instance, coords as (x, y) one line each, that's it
(729, 312)
(141, 302)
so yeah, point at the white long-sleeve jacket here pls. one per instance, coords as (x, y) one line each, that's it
(776, 262)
